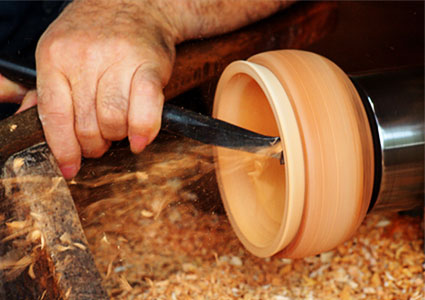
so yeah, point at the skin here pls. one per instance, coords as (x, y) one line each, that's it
(11, 92)
(102, 66)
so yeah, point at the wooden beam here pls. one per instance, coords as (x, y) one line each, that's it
(35, 194)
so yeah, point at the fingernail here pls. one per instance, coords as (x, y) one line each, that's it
(138, 143)
(69, 171)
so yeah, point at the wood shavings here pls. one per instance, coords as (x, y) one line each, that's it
(34, 236)
(105, 239)
(17, 224)
(55, 183)
(146, 213)
(383, 223)
(80, 246)
(183, 252)
(43, 295)
(109, 270)
(235, 261)
(42, 242)
(36, 216)
(124, 283)
(193, 257)
(188, 267)
(10, 263)
(31, 271)
(326, 257)
(18, 163)
(12, 127)
(68, 292)
(65, 238)
(61, 248)
(142, 176)
(15, 267)
(16, 234)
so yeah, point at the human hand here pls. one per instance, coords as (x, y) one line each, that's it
(101, 68)
(102, 65)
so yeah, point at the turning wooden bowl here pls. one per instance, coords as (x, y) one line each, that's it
(319, 197)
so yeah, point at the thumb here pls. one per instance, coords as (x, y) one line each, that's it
(29, 101)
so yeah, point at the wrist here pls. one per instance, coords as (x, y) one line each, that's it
(147, 21)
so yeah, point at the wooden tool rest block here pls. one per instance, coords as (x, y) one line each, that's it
(41, 234)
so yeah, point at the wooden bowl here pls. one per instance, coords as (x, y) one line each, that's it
(319, 197)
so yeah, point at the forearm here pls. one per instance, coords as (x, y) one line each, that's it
(189, 19)
(204, 18)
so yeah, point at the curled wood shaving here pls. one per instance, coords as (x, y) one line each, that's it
(43, 295)
(15, 268)
(109, 270)
(124, 284)
(80, 246)
(68, 293)
(65, 238)
(16, 234)
(31, 271)
(18, 163)
(146, 213)
(62, 248)
(17, 224)
(34, 236)
(12, 127)
(55, 183)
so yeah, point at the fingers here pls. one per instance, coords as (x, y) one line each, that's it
(112, 101)
(145, 108)
(86, 124)
(10, 91)
(29, 101)
(56, 113)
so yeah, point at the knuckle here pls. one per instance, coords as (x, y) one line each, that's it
(52, 118)
(90, 151)
(90, 55)
(122, 44)
(148, 126)
(113, 107)
(50, 49)
(111, 117)
(86, 133)
(65, 155)
(113, 125)
(113, 99)
(66, 49)
(147, 87)
(44, 93)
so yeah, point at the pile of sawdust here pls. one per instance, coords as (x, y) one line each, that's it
(186, 253)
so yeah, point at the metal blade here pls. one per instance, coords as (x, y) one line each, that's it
(219, 133)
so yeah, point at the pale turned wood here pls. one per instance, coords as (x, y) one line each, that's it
(258, 192)
(336, 149)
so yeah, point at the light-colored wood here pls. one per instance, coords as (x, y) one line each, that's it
(258, 191)
(337, 152)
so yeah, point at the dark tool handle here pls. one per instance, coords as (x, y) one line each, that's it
(212, 131)
(16, 72)
(176, 120)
